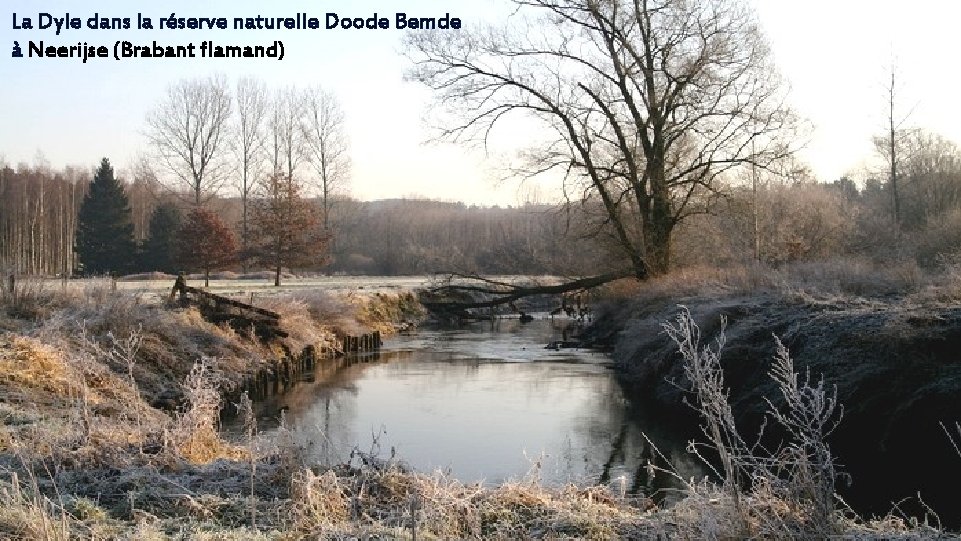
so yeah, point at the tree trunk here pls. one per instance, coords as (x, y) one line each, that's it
(246, 232)
(277, 277)
(661, 224)
(504, 293)
(894, 162)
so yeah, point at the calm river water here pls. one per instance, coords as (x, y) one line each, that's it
(484, 403)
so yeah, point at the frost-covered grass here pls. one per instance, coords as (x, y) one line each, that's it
(842, 276)
(90, 449)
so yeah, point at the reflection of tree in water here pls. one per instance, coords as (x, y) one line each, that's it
(452, 392)
(320, 409)
(616, 450)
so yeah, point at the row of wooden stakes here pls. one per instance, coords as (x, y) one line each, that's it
(363, 343)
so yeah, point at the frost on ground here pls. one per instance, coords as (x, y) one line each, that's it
(110, 412)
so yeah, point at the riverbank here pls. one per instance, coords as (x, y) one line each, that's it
(110, 412)
(887, 340)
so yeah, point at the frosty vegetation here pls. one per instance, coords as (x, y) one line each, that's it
(94, 446)
(670, 136)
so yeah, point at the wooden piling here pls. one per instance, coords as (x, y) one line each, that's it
(361, 344)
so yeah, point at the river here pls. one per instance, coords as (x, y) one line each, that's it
(486, 403)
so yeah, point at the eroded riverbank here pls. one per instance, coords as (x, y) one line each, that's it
(895, 361)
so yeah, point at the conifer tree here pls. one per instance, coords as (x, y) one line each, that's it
(159, 249)
(105, 242)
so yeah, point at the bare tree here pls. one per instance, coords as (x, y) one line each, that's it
(143, 191)
(929, 168)
(889, 143)
(893, 156)
(284, 227)
(252, 108)
(652, 103)
(286, 139)
(327, 145)
(189, 129)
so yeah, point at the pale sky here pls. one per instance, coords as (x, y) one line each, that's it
(835, 54)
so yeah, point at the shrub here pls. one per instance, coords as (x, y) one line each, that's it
(788, 491)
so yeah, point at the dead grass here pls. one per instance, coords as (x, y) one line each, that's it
(838, 276)
(28, 514)
(384, 312)
(318, 317)
(195, 432)
(27, 365)
(379, 311)
(171, 340)
(390, 501)
(303, 325)
(85, 451)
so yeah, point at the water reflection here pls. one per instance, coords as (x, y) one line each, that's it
(484, 403)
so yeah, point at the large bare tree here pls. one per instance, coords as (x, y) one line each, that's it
(189, 129)
(327, 146)
(252, 109)
(650, 103)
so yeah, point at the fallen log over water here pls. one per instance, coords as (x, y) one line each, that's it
(444, 299)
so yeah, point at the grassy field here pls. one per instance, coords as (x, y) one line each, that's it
(155, 287)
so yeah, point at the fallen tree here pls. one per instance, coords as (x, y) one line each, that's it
(455, 299)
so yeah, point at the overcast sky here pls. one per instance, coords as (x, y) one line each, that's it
(835, 53)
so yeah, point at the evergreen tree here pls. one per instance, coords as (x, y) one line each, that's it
(105, 243)
(159, 249)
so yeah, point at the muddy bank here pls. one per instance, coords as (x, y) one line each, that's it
(896, 364)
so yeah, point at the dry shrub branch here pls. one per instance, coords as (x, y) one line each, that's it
(788, 490)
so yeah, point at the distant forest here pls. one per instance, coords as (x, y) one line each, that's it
(791, 216)
(39, 209)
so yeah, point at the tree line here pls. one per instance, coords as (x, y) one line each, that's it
(283, 231)
(82, 211)
(206, 139)
(665, 119)
(792, 216)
